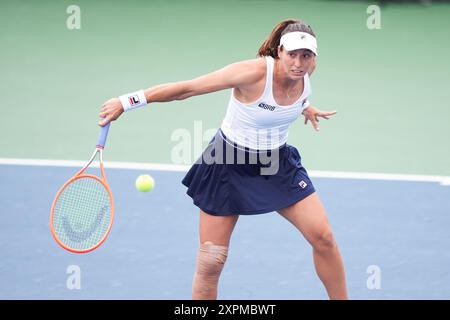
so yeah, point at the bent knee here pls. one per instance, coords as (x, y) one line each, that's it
(211, 258)
(324, 241)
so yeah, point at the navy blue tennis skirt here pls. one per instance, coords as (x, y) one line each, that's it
(229, 179)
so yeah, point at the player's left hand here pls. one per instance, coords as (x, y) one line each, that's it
(312, 114)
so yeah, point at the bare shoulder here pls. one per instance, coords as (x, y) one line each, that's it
(251, 70)
(240, 74)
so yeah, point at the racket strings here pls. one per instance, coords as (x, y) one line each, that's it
(82, 213)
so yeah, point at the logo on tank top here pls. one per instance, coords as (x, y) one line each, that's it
(302, 184)
(266, 106)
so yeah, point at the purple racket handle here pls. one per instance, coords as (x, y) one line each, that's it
(102, 136)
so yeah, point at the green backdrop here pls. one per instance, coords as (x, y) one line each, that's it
(391, 87)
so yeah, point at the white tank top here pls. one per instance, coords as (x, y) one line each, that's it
(263, 124)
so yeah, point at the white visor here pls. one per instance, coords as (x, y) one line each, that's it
(298, 40)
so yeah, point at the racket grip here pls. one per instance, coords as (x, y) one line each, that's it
(102, 136)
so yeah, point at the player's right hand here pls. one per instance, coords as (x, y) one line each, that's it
(110, 111)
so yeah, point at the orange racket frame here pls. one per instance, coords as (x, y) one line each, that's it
(79, 175)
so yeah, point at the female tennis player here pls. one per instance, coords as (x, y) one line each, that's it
(248, 168)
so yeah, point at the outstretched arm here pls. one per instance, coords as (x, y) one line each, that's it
(233, 75)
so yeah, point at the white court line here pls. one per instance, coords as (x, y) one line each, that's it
(107, 164)
(443, 180)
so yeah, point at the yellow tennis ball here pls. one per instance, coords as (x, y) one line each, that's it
(145, 183)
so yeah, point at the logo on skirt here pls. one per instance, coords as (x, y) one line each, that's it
(303, 184)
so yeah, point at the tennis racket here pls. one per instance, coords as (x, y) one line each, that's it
(82, 213)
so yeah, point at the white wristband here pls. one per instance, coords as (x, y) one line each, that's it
(133, 100)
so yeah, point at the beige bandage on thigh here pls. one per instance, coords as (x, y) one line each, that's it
(210, 261)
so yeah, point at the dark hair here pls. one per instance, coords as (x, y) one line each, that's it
(270, 45)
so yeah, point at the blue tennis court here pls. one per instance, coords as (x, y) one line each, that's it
(399, 227)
